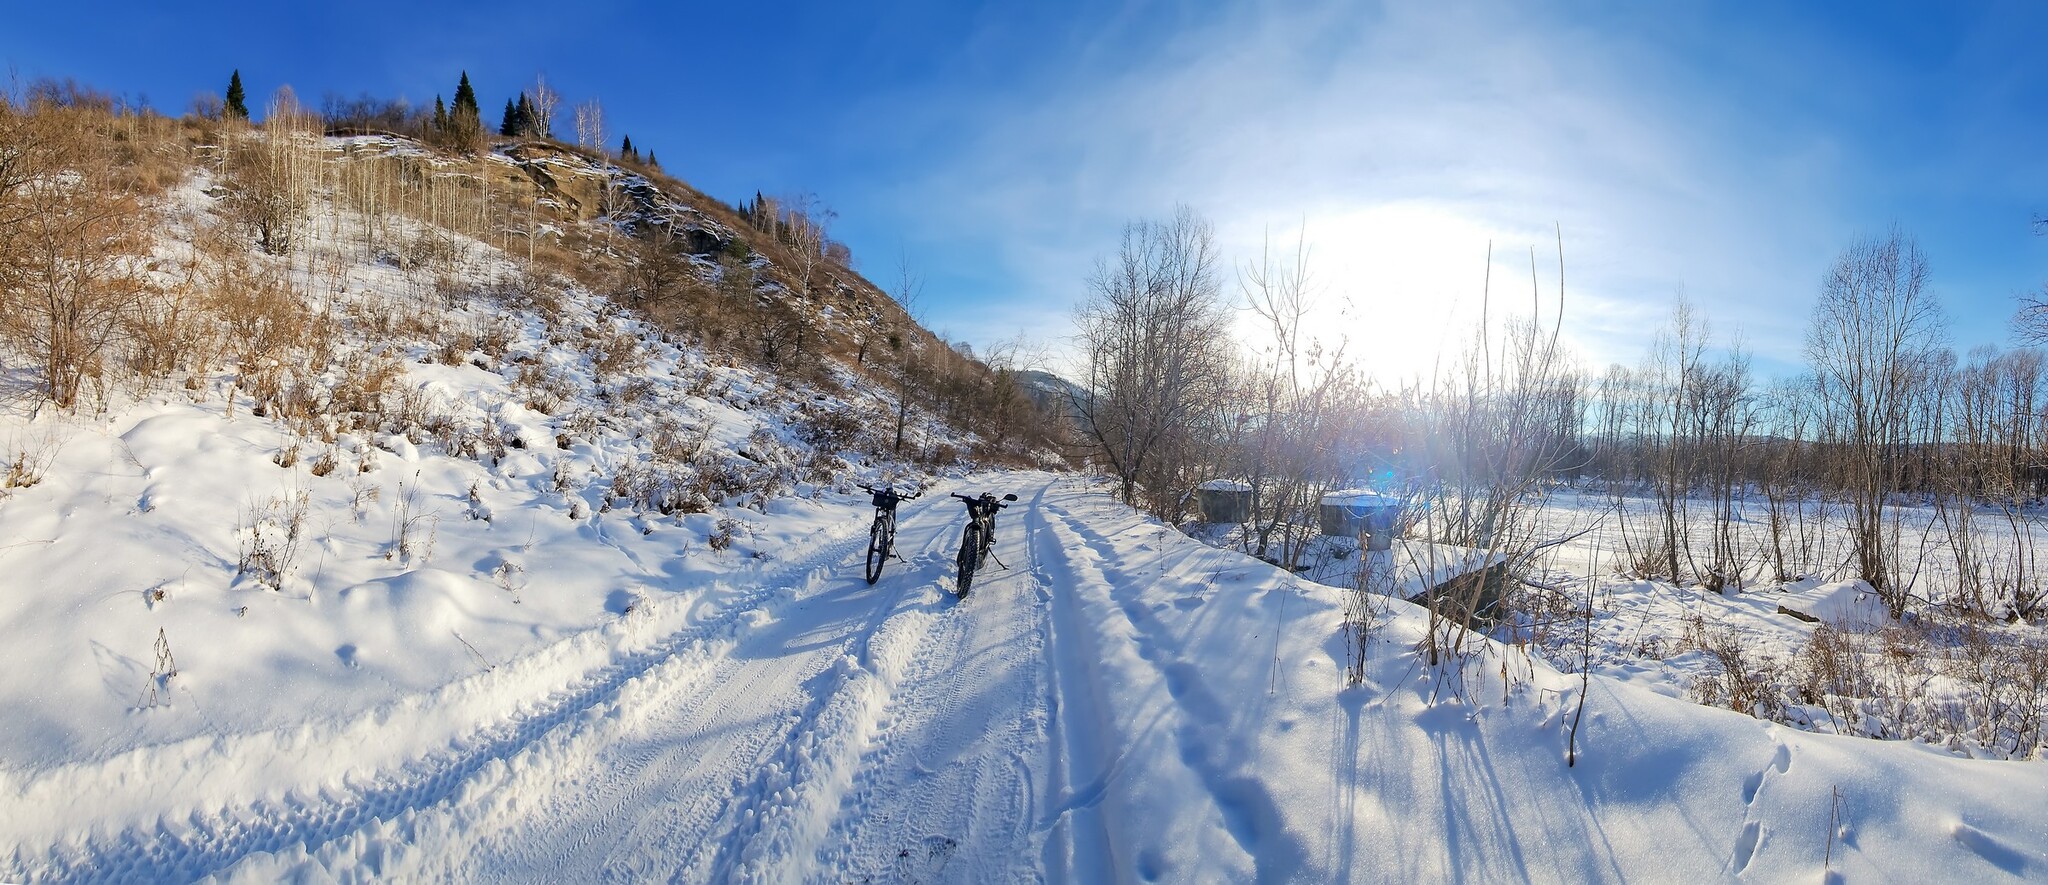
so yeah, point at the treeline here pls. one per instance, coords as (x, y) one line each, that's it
(1718, 477)
(1886, 414)
(1172, 395)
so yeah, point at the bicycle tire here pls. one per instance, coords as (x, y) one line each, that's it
(878, 551)
(969, 558)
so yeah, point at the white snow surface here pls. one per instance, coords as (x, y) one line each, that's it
(1851, 605)
(1360, 499)
(1120, 703)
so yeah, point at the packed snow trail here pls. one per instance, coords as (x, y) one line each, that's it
(1120, 704)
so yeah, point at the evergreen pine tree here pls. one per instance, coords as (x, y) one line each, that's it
(626, 149)
(510, 127)
(465, 99)
(651, 161)
(235, 106)
(465, 121)
(440, 117)
(529, 122)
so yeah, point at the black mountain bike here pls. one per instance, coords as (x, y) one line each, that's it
(882, 535)
(980, 533)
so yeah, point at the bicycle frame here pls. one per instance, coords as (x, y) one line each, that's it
(882, 533)
(979, 535)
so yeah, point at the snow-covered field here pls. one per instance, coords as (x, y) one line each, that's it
(1121, 703)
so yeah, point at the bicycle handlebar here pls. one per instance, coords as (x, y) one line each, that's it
(891, 490)
(986, 498)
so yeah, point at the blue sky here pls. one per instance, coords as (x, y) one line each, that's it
(1724, 151)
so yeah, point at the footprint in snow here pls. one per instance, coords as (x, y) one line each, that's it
(915, 863)
(1991, 849)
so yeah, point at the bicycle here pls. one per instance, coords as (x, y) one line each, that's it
(882, 535)
(980, 533)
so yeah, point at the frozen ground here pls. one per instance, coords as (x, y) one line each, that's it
(1122, 703)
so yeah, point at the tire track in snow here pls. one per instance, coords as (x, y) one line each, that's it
(1078, 843)
(204, 842)
(947, 791)
(1249, 812)
(785, 809)
(603, 790)
(739, 778)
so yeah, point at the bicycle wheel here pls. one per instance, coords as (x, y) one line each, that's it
(970, 557)
(878, 551)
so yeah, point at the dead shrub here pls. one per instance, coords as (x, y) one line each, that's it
(75, 231)
(836, 430)
(168, 332)
(941, 455)
(494, 336)
(543, 389)
(542, 292)
(452, 351)
(1739, 679)
(270, 536)
(673, 441)
(667, 487)
(428, 248)
(722, 537)
(269, 331)
(1834, 676)
(617, 354)
(364, 381)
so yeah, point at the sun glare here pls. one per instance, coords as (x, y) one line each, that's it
(1399, 285)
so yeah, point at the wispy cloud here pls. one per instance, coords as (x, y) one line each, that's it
(1405, 138)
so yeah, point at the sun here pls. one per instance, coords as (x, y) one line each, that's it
(1401, 286)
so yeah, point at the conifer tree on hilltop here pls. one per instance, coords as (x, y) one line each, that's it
(626, 151)
(510, 127)
(465, 102)
(465, 120)
(529, 119)
(235, 105)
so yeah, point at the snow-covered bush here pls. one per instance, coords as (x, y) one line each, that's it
(270, 536)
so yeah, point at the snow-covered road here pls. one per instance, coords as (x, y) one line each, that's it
(888, 731)
(811, 722)
(1120, 703)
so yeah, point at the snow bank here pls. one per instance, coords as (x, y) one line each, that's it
(1849, 605)
(1226, 746)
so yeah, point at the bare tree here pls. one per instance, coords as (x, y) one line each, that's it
(590, 133)
(1490, 434)
(545, 101)
(271, 175)
(1870, 326)
(1153, 353)
(909, 293)
(660, 270)
(73, 238)
(1299, 392)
